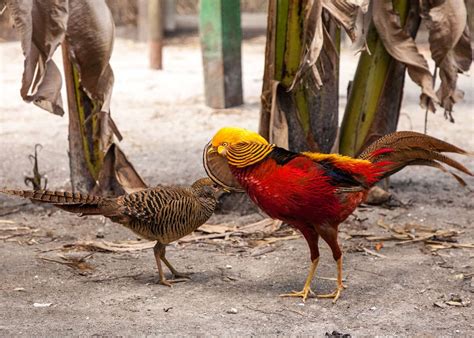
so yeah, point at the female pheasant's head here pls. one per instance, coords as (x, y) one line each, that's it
(241, 147)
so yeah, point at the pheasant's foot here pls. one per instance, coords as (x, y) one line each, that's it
(335, 295)
(182, 275)
(165, 282)
(178, 280)
(304, 294)
(170, 282)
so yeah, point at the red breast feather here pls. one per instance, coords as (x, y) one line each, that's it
(297, 191)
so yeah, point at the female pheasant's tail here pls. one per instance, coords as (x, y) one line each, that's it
(73, 202)
(400, 149)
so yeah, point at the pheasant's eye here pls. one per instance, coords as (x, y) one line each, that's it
(225, 144)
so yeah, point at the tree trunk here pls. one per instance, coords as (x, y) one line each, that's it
(305, 117)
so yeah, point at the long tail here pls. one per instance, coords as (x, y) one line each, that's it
(72, 202)
(400, 149)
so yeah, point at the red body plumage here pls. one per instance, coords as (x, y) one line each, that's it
(303, 192)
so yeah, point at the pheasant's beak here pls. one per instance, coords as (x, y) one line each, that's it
(221, 150)
(211, 150)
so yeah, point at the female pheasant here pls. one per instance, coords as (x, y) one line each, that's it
(162, 214)
(315, 192)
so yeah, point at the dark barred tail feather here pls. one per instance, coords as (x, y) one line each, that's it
(400, 149)
(72, 202)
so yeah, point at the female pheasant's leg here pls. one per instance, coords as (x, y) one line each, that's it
(175, 273)
(159, 250)
(335, 295)
(307, 285)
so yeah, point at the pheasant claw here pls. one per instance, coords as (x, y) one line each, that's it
(303, 294)
(335, 295)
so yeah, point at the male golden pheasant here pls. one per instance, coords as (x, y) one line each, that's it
(315, 192)
(162, 214)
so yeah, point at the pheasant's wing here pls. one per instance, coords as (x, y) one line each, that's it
(158, 203)
(345, 173)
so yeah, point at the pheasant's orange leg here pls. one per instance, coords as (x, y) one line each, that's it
(335, 295)
(307, 285)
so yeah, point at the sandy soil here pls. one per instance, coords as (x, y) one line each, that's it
(165, 124)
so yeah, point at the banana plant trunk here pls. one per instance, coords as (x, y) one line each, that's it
(302, 115)
(85, 153)
(375, 94)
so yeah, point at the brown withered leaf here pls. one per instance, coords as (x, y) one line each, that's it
(123, 246)
(345, 12)
(463, 51)
(402, 47)
(450, 46)
(42, 26)
(118, 175)
(126, 174)
(216, 228)
(90, 37)
(278, 133)
(89, 29)
(446, 21)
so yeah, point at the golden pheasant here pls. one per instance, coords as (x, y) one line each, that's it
(162, 214)
(315, 192)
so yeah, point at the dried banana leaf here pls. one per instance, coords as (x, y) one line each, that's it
(86, 30)
(450, 46)
(345, 12)
(402, 47)
(118, 176)
(90, 35)
(40, 37)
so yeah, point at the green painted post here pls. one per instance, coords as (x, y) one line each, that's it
(221, 36)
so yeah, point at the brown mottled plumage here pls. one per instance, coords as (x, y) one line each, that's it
(164, 214)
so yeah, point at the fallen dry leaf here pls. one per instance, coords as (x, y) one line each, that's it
(123, 246)
(216, 228)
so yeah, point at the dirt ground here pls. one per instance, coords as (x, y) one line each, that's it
(165, 125)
